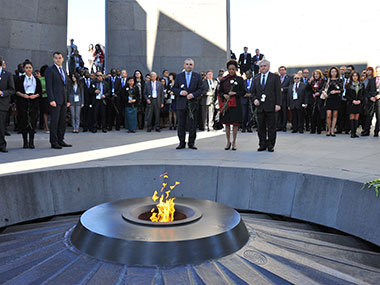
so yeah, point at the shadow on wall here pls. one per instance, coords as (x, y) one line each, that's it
(127, 42)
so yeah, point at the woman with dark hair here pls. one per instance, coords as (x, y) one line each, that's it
(44, 104)
(315, 84)
(99, 58)
(230, 90)
(172, 103)
(29, 89)
(76, 99)
(364, 116)
(355, 94)
(131, 101)
(332, 94)
(164, 114)
(140, 84)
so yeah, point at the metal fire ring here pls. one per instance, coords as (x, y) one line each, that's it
(103, 233)
(131, 214)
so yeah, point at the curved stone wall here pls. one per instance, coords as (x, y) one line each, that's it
(328, 201)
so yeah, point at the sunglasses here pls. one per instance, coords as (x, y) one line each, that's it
(296, 78)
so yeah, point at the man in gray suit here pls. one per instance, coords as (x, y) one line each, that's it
(154, 96)
(207, 104)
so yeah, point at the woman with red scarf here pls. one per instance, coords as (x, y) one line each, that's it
(230, 90)
(316, 84)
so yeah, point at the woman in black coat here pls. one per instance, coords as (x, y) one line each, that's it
(29, 90)
(355, 94)
(315, 85)
(230, 91)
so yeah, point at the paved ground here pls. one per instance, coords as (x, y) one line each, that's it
(278, 252)
(340, 156)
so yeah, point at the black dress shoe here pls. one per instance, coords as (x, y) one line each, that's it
(56, 146)
(158, 130)
(181, 146)
(193, 147)
(85, 130)
(365, 134)
(31, 145)
(301, 132)
(149, 130)
(7, 134)
(376, 135)
(3, 149)
(284, 130)
(270, 149)
(312, 132)
(294, 131)
(243, 130)
(249, 131)
(63, 144)
(261, 148)
(117, 129)
(94, 131)
(110, 128)
(104, 130)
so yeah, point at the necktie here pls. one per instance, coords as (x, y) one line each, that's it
(296, 87)
(62, 74)
(263, 81)
(377, 82)
(88, 83)
(187, 79)
(123, 82)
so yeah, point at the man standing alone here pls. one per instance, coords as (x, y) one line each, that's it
(187, 87)
(56, 79)
(266, 93)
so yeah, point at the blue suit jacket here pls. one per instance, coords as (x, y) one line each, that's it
(55, 87)
(195, 87)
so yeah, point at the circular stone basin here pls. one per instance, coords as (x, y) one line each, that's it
(140, 214)
(113, 232)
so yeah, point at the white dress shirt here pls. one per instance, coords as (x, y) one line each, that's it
(30, 84)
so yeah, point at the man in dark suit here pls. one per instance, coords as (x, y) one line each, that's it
(87, 108)
(7, 89)
(266, 93)
(282, 114)
(56, 90)
(247, 105)
(187, 88)
(245, 61)
(100, 93)
(114, 101)
(154, 96)
(297, 102)
(256, 60)
(208, 94)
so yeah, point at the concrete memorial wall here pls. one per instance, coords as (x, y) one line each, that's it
(157, 35)
(32, 30)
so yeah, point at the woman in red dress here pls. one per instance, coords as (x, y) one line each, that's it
(230, 90)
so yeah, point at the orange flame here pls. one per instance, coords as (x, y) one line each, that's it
(165, 207)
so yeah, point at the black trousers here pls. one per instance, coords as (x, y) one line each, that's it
(153, 110)
(114, 112)
(28, 114)
(99, 110)
(3, 117)
(343, 123)
(308, 116)
(141, 117)
(86, 117)
(372, 108)
(298, 119)
(316, 119)
(266, 129)
(282, 118)
(247, 114)
(183, 117)
(57, 123)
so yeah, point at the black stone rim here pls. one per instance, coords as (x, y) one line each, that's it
(103, 233)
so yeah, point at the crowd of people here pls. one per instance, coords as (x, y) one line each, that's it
(245, 96)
